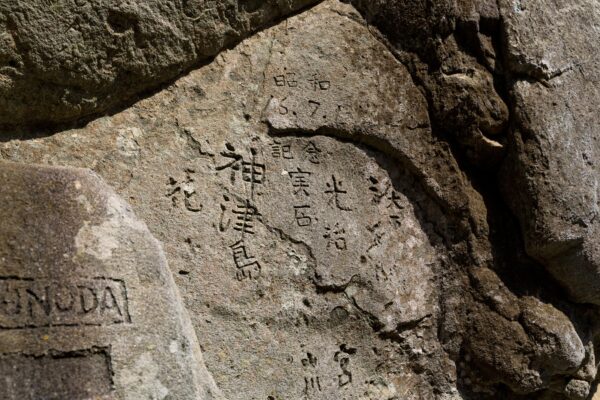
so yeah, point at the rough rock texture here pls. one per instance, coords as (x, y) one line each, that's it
(62, 60)
(480, 63)
(450, 48)
(288, 256)
(326, 194)
(551, 176)
(474, 57)
(89, 308)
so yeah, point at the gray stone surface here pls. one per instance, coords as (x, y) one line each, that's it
(88, 306)
(315, 296)
(325, 195)
(450, 48)
(551, 175)
(65, 59)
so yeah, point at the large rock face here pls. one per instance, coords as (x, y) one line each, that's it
(552, 173)
(325, 194)
(309, 256)
(62, 60)
(89, 308)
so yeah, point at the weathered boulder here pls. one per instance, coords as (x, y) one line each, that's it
(478, 61)
(551, 175)
(311, 254)
(66, 59)
(450, 48)
(88, 306)
(325, 235)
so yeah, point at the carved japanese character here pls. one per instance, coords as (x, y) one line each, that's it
(319, 84)
(335, 237)
(312, 381)
(286, 79)
(342, 357)
(245, 213)
(251, 170)
(389, 197)
(394, 200)
(185, 192)
(279, 150)
(248, 267)
(300, 181)
(302, 217)
(335, 189)
(315, 105)
(312, 152)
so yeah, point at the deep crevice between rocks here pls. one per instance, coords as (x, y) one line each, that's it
(518, 271)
